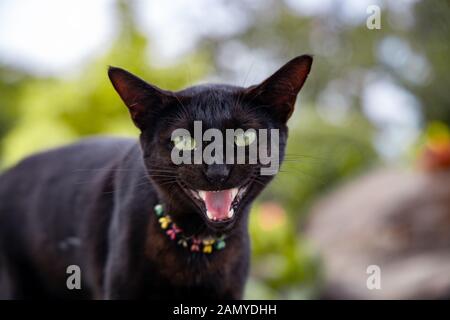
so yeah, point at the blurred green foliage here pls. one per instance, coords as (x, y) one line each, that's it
(37, 113)
(50, 112)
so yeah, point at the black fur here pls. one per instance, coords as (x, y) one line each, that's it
(91, 203)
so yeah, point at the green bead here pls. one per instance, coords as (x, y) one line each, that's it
(220, 245)
(183, 243)
(159, 210)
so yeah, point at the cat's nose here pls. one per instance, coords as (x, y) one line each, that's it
(217, 173)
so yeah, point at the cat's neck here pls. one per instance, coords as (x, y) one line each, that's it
(160, 243)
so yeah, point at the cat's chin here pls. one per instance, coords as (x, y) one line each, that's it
(219, 208)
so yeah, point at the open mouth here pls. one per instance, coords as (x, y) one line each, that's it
(220, 205)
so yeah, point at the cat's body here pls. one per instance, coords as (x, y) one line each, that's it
(35, 256)
(91, 204)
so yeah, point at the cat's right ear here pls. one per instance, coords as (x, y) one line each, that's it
(280, 90)
(142, 99)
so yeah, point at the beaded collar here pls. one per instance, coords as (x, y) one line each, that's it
(193, 244)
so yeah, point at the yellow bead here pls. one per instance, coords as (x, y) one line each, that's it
(208, 242)
(164, 221)
(207, 249)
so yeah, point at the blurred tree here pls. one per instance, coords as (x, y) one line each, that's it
(11, 83)
(52, 111)
(430, 34)
(346, 51)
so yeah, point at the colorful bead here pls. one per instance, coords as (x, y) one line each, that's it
(195, 244)
(165, 221)
(159, 210)
(173, 231)
(207, 249)
(207, 245)
(182, 242)
(208, 241)
(220, 244)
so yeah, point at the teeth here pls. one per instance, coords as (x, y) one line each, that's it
(230, 213)
(234, 192)
(202, 193)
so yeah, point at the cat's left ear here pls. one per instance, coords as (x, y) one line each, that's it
(142, 99)
(280, 90)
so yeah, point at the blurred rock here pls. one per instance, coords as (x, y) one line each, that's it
(396, 219)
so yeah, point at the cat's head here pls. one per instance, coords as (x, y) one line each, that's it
(209, 192)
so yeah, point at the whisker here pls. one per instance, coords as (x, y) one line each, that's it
(162, 175)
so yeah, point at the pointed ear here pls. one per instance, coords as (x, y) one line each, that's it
(141, 98)
(280, 90)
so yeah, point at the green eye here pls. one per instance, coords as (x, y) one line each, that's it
(184, 143)
(245, 138)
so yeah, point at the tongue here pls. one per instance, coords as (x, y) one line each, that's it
(218, 203)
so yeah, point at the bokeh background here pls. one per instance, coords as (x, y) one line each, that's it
(366, 179)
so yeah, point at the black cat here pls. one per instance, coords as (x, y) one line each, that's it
(138, 225)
